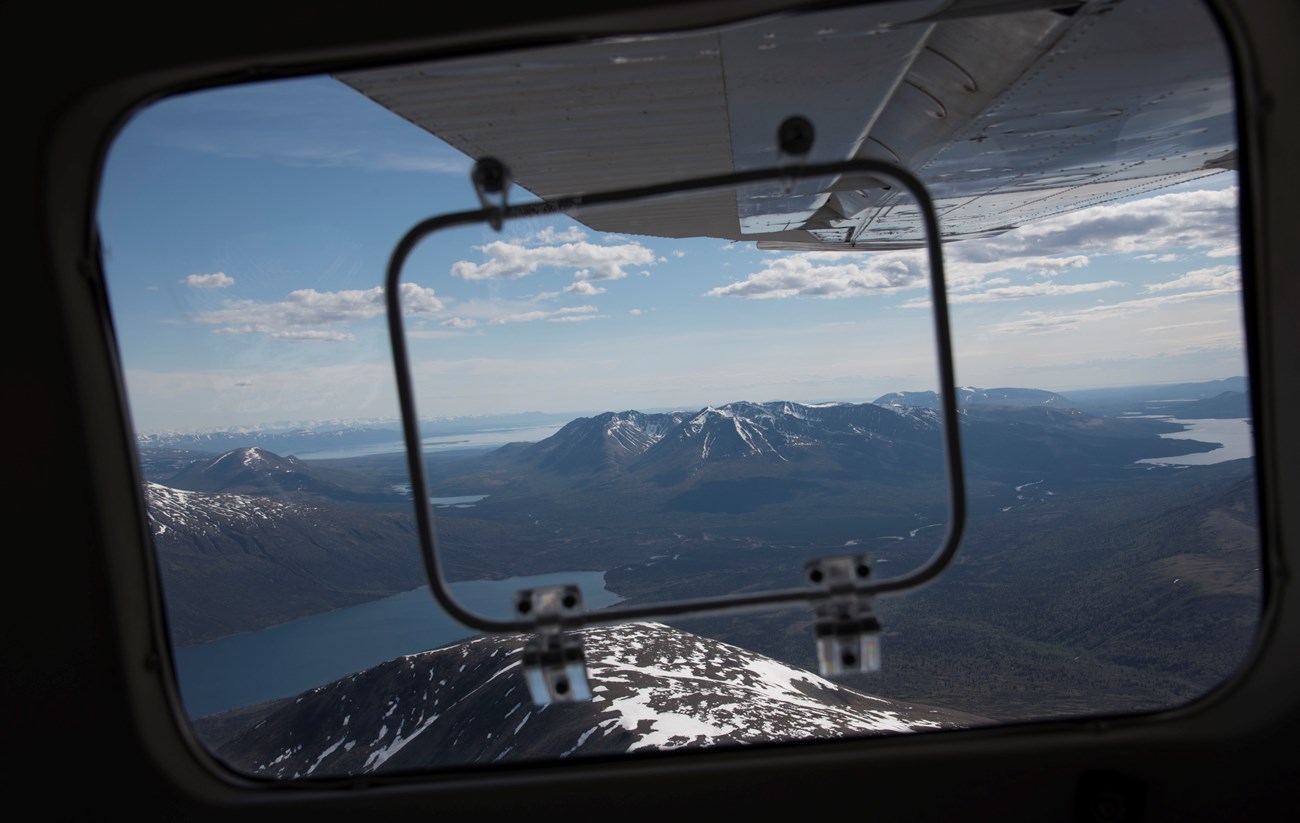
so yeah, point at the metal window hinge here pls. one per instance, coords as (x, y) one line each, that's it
(555, 667)
(847, 631)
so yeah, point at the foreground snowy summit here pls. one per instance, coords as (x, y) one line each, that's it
(654, 687)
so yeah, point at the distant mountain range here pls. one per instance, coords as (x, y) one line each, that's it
(970, 396)
(654, 688)
(896, 438)
(250, 538)
(334, 435)
(680, 444)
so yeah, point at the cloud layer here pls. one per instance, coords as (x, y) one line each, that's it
(590, 261)
(303, 312)
(1200, 221)
(216, 280)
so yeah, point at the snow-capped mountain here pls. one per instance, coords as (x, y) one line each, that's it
(766, 433)
(780, 428)
(609, 440)
(236, 562)
(654, 688)
(256, 471)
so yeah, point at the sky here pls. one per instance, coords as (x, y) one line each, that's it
(247, 230)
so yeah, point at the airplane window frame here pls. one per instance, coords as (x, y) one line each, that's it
(127, 582)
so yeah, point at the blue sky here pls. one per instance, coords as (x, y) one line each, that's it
(247, 231)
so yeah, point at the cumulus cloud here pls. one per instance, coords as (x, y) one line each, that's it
(459, 323)
(583, 287)
(216, 280)
(828, 274)
(855, 274)
(294, 317)
(512, 260)
(551, 236)
(636, 312)
(1155, 227)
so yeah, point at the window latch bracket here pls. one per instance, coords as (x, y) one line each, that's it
(847, 631)
(554, 663)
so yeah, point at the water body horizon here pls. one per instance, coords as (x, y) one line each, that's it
(288, 658)
(479, 439)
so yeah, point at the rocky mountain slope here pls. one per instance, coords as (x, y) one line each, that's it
(654, 688)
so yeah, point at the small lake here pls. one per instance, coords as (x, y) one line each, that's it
(283, 660)
(1233, 435)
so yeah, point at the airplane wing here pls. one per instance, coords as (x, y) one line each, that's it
(1008, 118)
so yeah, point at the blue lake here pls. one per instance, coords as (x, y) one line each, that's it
(1234, 436)
(283, 660)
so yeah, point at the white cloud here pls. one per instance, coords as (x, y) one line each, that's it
(1155, 226)
(1224, 279)
(294, 317)
(1192, 324)
(855, 274)
(636, 312)
(216, 280)
(550, 236)
(509, 261)
(583, 287)
(567, 314)
(1034, 322)
(459, 323)
(1204, 219)
(827, 274)
(314, 335)
(432, 334)
(1017, 293)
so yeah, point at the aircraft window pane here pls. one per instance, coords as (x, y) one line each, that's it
(698, 395)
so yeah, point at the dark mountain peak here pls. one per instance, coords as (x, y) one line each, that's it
(249, 469)
(654, 687)
(611, 440)
(253, 470)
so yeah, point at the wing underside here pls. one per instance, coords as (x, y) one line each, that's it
(1007, 118)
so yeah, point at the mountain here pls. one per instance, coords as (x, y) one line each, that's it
(765, 434)
(233, 562)
(654, 688)
(256, 471)
(818, 443)
(971, 396)
(607, 441)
